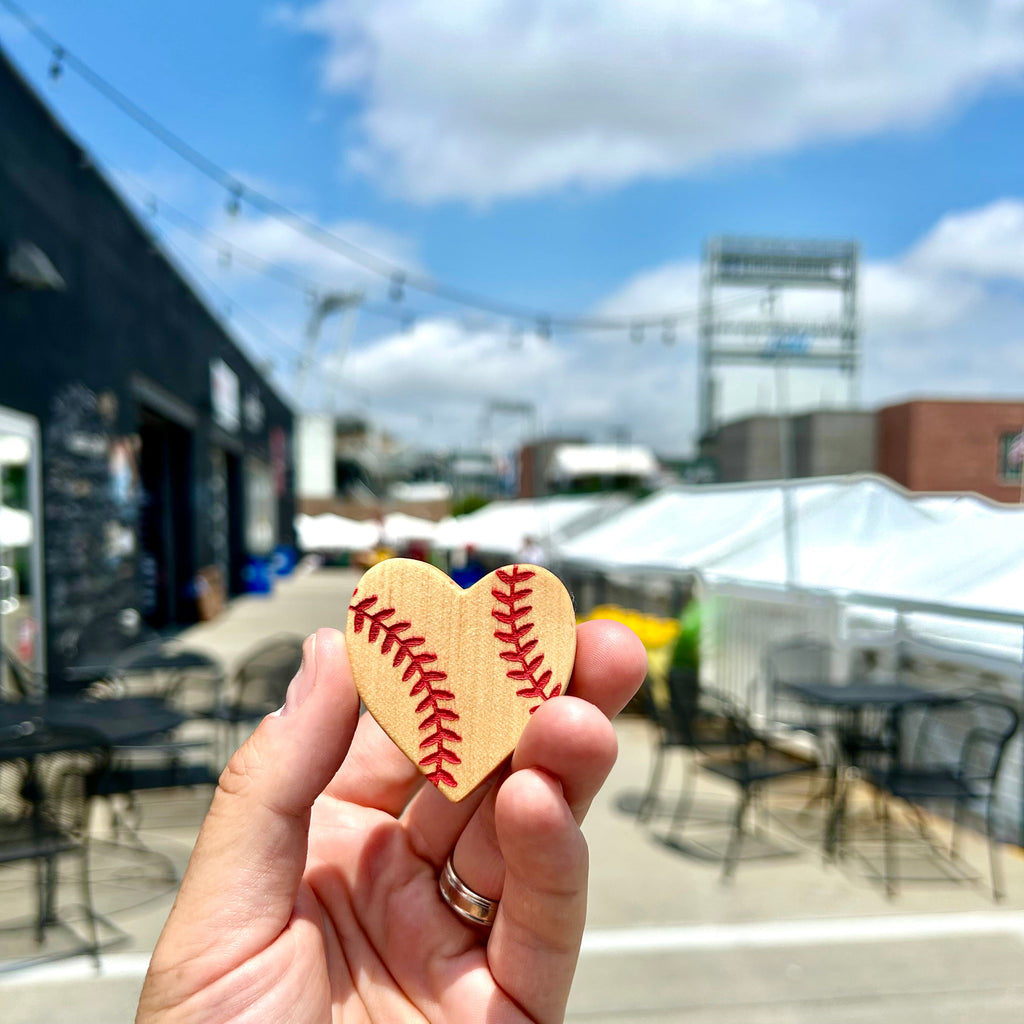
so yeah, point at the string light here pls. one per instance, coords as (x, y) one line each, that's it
(283, 275)
(56, 69)
(234, 203)
(228, 254)
(396, 291)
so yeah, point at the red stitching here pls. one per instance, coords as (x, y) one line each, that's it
(440, 718)
(515, 634)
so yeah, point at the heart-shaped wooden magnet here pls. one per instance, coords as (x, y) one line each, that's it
(453, 675)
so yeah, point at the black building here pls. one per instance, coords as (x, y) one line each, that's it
(143, 459)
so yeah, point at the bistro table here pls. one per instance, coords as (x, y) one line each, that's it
(112, 723)
(851, 702)
(46, 740)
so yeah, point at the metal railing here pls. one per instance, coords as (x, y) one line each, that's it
(942, 647)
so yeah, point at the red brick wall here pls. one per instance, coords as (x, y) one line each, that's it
(948, 446)
(528, 483)
(893, 439)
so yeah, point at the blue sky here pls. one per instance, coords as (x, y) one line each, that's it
(571, 158)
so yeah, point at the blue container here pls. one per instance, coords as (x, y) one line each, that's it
(284, 559)
(258, 576)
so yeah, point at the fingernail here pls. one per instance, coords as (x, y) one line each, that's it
(301, 686)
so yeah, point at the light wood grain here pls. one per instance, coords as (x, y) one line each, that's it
(453, 675)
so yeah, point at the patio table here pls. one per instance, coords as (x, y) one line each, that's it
(37, 733)
(851, 701)
(114, 722)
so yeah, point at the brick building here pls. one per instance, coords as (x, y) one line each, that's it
(936, 445)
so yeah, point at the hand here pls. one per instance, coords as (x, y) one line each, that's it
(312, 891)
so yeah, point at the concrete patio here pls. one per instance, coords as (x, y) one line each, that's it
(790, 939)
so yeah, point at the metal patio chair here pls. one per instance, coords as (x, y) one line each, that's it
(44, 800)
(259, 684)
(799, 659)
(948, 755)
(752, 762)
(690, 721)
(187, 756)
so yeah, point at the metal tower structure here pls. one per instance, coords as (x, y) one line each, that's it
(776, 265)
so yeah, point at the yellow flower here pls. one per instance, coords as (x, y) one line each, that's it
(654, 632)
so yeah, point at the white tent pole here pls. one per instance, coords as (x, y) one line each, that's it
(786, 469)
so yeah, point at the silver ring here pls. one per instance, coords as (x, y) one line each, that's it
(470, 906)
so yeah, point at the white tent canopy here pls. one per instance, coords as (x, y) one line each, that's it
(860, 534)
(501, 527)
(576, 460)
(329, 532)
(938, 577)
(400, 528)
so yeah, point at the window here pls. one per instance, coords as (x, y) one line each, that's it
(260, 508)
(21, 604)
(1011, 456)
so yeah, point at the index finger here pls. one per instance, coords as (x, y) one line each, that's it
(245, 868)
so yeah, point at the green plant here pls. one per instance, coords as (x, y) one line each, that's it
(470, 503)
(686, 649)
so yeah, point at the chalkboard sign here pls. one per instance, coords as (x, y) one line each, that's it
(91, 514)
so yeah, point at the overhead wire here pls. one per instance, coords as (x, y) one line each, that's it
(160, 207)
(284, 275)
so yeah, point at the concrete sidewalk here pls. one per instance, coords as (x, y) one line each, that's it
(791, 939)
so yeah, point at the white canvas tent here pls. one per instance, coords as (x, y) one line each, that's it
(330, 532)
(501, 527)
(860, 534)
(400, 528)
(572, 461)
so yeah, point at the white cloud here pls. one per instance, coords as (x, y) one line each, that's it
(195, 218)
(672, 287)
(930, 326)
(440, 360)
(483, 99)
(902, 295)
(987, 242)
